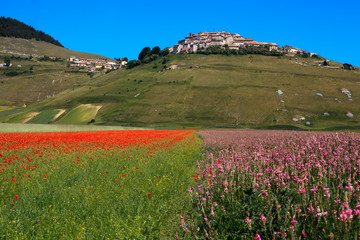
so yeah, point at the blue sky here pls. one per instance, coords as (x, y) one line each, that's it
(122, 28)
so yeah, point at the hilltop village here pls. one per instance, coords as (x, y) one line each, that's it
(203, 40)
(94, 64)
(89, 65)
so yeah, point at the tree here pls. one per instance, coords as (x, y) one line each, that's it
(14, 28)
(348, 66)
(145, 52)
(132, 63)
(305, 55)
(325, 63)
(155, 50)
(7, 61)
(164, 52)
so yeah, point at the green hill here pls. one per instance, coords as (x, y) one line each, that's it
(13, 28)
(217, 91)
(18, 47)
(32, 80)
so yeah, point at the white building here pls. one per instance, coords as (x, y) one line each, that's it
(194, 42)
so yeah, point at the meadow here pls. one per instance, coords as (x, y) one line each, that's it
(278, 185)
(179, 184)
(95, 185)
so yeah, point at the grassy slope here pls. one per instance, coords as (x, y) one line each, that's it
(45, 117)
(219, 91)
(47, 78)
(79, 115)
(18, 46)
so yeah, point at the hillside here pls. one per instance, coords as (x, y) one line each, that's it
(13, 28)
(18, 47)
(35, 79)
(214, 91)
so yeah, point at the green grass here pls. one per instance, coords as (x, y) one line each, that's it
(218, 91)
(2, 109)
(82, 199)
(11, 127)
(21, 117)
(8, 111)
(79, 115)
(45, 117)
(18, 46)
(44, 80)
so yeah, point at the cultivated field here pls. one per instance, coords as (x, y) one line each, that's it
(227, 184)
(279, 185)
(16, 127)
(95, 185)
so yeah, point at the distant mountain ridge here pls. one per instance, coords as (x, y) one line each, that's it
(10, 27)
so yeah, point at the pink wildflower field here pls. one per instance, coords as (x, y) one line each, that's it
(277, 185)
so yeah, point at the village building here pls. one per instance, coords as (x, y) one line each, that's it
(194, 42)
(273, 47)
(203, 40)
(233, 46)
(73, 59)
(93, 64)
(290, 49)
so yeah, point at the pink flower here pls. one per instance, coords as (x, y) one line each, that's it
(257, 237)
(264, 193)
(248, 220)
(205, 218)
(321, 214)
(310, 209)
(303, 233)
(345, 215)
(301, 190)
(356, 211)
(262, 218)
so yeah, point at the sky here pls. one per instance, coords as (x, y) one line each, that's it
(123, 28)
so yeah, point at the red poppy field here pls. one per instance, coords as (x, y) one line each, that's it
(98, 185)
